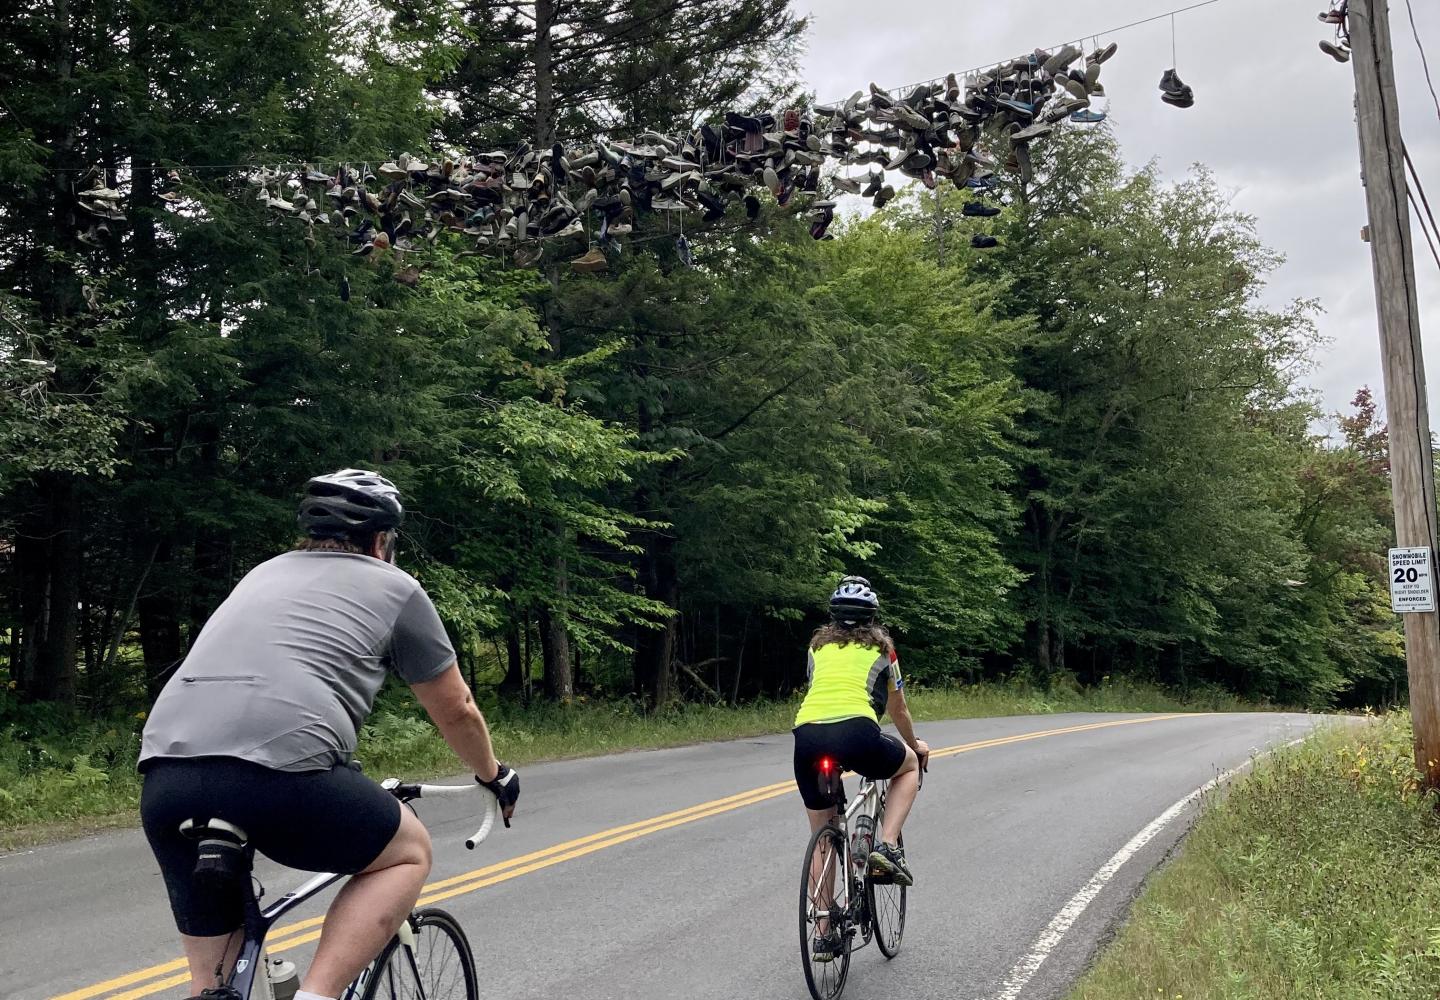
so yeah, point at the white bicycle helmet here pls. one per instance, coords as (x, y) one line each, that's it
(854, 602)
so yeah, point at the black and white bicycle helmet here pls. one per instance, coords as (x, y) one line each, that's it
(349, 502)
(854, 602)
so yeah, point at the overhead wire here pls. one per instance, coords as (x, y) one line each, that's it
(1421, 207)
(1424, 62)
(1088, 34)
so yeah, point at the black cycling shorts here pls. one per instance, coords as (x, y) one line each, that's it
(857, 745)
(318, 821)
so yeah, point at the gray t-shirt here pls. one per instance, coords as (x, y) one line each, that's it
(286, 670)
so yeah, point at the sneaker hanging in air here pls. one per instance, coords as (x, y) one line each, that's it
(591, 261)
(1102, 55)
(1171, 83)
(1339, 52)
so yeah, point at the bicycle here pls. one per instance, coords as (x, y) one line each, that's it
(429, 958)
(836, 885)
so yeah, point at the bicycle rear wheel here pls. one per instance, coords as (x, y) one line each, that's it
(440, 966)
(822, 882)
(887, 912)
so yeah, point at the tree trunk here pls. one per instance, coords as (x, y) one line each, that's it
(544, 76)
(656, 647)
(555, 644)
(158, 609)
(1039, 630)
(54, 678)
(32, 596)
(514, 680)
(209, 579)
(525, 657)
(57, 544)
(208, 583)
(740, 661)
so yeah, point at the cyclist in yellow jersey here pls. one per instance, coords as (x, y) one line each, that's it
(854, 678)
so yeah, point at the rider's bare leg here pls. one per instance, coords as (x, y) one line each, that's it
(370, 908)
(900, 797)
(818, 818)
(205, 955)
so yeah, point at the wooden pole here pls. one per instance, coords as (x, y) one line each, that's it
(1412, 473)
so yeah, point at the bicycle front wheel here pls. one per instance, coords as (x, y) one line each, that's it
(823, 895)
(887, 912)
(438, 966)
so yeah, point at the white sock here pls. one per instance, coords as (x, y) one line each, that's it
(305, 995)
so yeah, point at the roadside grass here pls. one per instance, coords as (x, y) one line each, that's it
(66, 776)
(1317, 876)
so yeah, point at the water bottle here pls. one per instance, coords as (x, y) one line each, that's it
(284, 978)
(863, 838)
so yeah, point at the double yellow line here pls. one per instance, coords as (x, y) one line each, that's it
(145, 982)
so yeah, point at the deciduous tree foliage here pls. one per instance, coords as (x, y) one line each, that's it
(1087, 452)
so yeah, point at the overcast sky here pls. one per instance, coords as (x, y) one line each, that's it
(1273, 118)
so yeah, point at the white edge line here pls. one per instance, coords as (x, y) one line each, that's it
(1024, 970)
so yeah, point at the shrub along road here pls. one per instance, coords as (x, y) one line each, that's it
(676, 872)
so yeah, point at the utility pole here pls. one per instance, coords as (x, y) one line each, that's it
(1412, 472)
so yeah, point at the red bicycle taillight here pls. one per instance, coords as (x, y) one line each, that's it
(826, 764)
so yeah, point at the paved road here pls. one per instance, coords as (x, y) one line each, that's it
(703, 904)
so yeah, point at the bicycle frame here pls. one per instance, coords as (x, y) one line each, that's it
(249, 969)
(251, 961)
(869, 800)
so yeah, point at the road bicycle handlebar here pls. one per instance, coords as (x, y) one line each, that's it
(405, 792)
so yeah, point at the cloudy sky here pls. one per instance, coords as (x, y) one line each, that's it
(1273, 119)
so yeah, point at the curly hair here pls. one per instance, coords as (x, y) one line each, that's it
(857, 635)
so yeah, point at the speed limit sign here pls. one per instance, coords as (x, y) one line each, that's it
(1412, 585)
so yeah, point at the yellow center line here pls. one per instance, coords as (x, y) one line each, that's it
(294, 934)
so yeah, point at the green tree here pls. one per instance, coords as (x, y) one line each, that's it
(567, 70)
(1167, 430)
(196, 364)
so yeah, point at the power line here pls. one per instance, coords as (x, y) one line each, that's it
(1089, 34)
(1423, 228)
(1411, 190)
(1423, 60)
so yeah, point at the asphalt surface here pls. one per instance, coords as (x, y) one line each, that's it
(704, 904)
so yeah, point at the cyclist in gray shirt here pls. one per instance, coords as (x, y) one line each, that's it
(258, 727)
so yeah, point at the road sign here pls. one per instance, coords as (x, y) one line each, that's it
(1412, 584)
